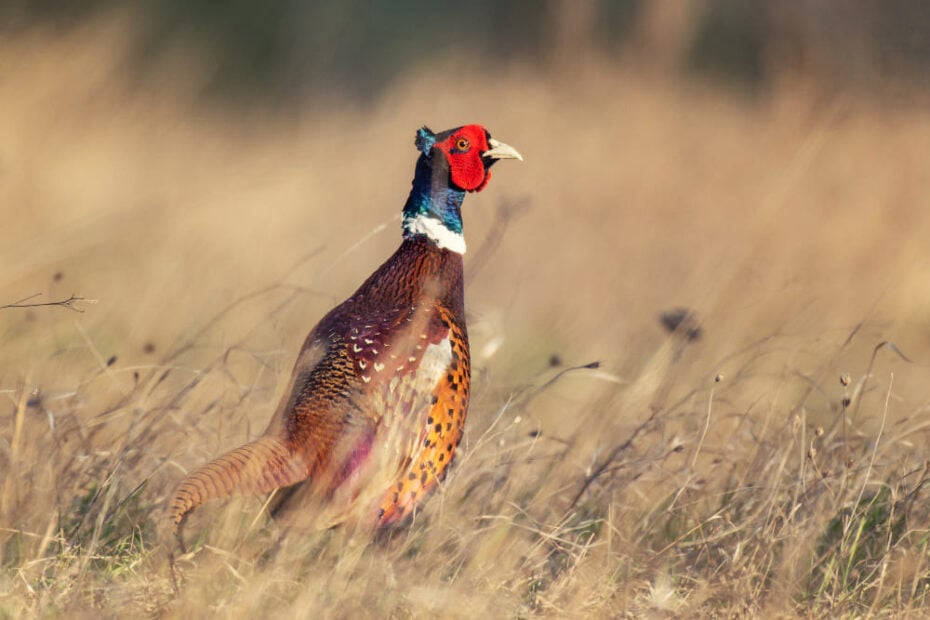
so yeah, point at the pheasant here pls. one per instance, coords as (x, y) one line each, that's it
(386, 371)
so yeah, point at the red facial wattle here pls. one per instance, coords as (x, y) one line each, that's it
(463, 151)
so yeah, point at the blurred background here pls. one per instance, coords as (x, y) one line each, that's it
(291, 51)
(218, 178)
(757, 162)
(210, 178)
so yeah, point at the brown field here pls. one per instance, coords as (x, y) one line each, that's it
(730, 476)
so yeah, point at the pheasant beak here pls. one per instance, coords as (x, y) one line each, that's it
(499, 150)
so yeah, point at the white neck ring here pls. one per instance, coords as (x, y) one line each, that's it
(435, 231)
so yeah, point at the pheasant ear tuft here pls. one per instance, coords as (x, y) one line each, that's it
(425, 139)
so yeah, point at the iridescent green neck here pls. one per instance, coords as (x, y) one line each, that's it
(434, 207)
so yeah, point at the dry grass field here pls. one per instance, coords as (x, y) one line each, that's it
(775, 466)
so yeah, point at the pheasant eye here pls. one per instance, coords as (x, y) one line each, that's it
(462, 144)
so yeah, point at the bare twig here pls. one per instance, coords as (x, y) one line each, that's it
(62, 303)
(612, 455)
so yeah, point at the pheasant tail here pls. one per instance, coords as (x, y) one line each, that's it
(255, 468)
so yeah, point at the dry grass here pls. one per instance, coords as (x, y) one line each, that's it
(731, 476)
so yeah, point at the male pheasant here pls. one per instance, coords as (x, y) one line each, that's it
(386, 371)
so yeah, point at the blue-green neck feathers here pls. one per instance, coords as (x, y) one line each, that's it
(433, 209)
(432, 196)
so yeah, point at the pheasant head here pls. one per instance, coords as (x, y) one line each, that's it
(451, 163)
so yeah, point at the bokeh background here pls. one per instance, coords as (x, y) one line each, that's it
(211, 179)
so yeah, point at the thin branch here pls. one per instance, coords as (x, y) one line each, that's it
(612, 455)
(62, 303)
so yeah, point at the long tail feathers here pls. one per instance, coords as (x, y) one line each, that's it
(258, 467)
